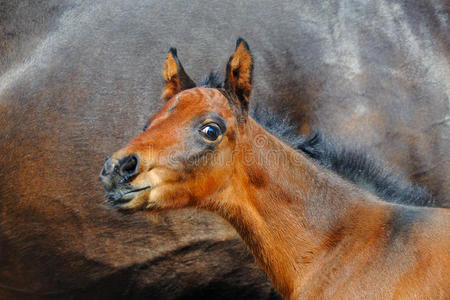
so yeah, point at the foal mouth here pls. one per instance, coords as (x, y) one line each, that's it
(122, 197)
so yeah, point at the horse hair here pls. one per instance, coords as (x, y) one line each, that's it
(214, 80)
(353, 164)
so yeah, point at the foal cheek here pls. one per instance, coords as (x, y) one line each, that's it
(203, 189)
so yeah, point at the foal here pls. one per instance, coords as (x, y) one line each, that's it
(314, 233)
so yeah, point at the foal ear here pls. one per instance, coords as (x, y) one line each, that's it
(175, 76)
(239, 73)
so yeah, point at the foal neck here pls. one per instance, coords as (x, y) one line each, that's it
(290, 212)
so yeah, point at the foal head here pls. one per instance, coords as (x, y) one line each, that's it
(184, 156)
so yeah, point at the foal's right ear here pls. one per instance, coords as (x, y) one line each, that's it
(175, 76)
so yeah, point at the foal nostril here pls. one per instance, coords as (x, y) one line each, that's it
(120, 172)
(129, 166)
(107, 167)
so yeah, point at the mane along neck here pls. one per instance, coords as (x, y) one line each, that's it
(291, 212)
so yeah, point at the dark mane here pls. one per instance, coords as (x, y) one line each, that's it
(213, 80)
(355, 165)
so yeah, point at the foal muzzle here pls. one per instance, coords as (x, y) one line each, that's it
(115, 176)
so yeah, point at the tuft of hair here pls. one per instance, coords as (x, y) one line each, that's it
(213, 80)
(353, 164)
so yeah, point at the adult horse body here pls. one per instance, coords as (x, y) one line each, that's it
(75, 76)
(315, 235)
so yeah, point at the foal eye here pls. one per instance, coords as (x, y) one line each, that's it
(211, 132)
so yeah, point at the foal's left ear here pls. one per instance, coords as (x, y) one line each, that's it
(175, 76)
(239, 73)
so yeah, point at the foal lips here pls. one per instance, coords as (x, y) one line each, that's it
(121, 197)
